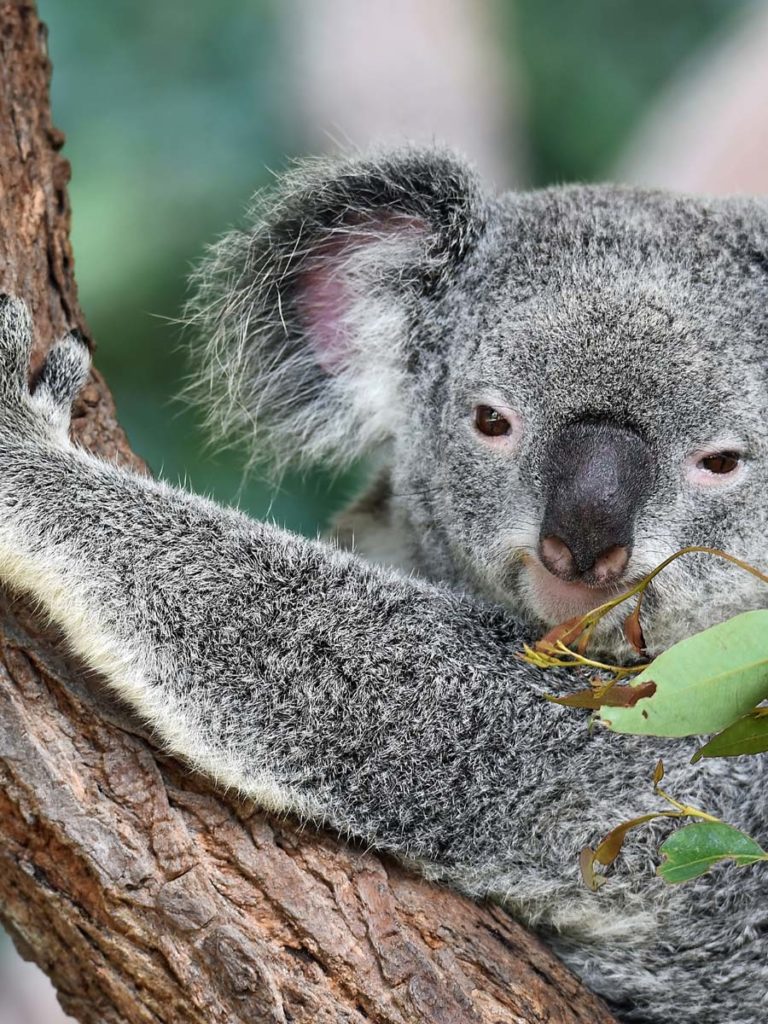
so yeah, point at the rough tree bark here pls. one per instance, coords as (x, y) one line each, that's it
(146, 895)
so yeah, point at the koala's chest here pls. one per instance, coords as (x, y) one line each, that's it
(367, 527)
(383, 535)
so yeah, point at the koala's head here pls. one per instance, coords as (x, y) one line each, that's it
(568, 385)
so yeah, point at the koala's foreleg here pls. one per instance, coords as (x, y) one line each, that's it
(387, 706)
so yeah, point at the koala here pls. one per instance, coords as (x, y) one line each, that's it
(556, 390)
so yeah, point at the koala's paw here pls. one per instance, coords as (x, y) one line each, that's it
(61, 379)
(64, 372)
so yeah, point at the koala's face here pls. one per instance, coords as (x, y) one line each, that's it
(600, 401)
(572, 384)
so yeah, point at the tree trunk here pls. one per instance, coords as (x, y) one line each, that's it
(144, 893)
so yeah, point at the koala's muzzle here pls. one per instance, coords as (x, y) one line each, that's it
(597, 476)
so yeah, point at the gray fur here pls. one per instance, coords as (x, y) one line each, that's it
(392, 707)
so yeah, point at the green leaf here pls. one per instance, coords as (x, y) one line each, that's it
(748, 735)
(694, 849)
(703, 684)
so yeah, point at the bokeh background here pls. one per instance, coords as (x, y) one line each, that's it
(175, 111)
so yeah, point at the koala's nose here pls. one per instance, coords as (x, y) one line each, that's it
(605, 568)
(597, 476)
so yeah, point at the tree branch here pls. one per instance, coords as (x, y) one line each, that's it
(146, 895)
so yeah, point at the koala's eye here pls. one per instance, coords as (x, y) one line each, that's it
(720, 463)
(490, 422)
(712, 468)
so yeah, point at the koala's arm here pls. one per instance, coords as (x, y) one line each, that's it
(388, 707)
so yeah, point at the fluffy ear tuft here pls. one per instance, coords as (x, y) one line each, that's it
(301, 322)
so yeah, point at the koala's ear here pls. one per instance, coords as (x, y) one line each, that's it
(304, 321)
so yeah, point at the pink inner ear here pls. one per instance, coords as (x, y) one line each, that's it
(323, 298)
(323, 303)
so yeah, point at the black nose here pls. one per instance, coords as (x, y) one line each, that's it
(596, 476)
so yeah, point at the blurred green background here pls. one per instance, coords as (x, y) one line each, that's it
(173, 112)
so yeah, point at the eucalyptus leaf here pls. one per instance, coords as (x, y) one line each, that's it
(694, 849)
(749, 735)
(703, 683)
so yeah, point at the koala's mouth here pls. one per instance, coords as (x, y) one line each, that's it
(555, 600)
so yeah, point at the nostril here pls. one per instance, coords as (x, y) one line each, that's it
(560, 560)
(610, 564)
(557, 557)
